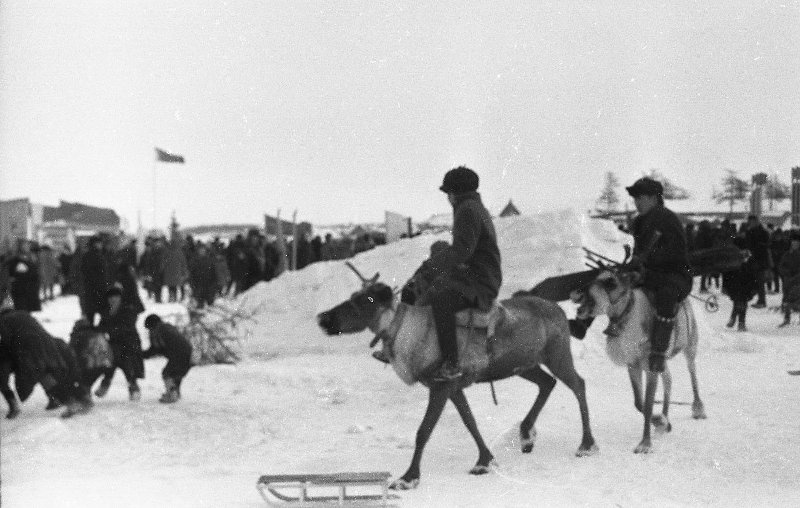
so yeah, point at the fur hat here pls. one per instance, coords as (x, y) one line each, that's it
(645, 187)
(151, 321)
(460, 180)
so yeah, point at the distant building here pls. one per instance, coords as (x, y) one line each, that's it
(509, 210)
(55, 225)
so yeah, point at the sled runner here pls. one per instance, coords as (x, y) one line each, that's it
(324, 490)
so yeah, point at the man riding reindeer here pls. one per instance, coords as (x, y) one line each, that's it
(467, 272)
(660, 253)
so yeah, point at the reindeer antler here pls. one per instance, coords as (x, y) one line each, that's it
(364, 281)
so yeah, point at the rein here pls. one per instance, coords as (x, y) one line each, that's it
(389, 334)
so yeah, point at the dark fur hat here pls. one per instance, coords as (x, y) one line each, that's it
(460, 180)
(151, 321)
(645, 187)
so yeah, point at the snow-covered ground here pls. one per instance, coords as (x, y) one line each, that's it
(305, 402)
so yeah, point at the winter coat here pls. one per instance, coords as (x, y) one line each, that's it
(741, 285)
(669, 254)
(789, 269)
(124, 340)
(126, 278)
(32, 352)
(48, 267)
(24, 277)
(471, 263)
(174, 267)
(203, 275)
(223, 273)
(96, 279)
(758, 243)
(166, 340)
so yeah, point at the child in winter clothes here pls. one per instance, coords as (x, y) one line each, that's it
(166, 340)
(741, 286)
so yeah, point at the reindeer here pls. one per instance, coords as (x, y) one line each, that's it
(613, 293)
(528, 331)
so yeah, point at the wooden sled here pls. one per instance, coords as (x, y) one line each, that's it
(315, 490)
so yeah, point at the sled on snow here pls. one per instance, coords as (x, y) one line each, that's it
(366, 489)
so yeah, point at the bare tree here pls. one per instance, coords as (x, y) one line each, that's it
(608, 200)
(733, 189)
(671, 191)
(775, 190)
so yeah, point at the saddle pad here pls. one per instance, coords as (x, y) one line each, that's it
(477, 318)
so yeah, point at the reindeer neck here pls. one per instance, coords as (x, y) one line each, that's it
(388, 322)
(622, 305)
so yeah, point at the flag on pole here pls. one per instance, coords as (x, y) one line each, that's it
(163, 156)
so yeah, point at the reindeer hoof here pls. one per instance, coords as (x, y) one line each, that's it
(661, 423)
(527, 443)
(12, 413)
(698, 413)
(479, 469)
(587, 452)
(643, 448)
(401, 484)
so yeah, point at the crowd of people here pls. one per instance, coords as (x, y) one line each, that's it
(105, 272)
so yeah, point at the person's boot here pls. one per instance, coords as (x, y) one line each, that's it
(732, 320)
(659, 342)
(170, 392)
(102, 390)
(578, 327)
(448, 371)
(53, 403)
(134, 393)
(787, 317)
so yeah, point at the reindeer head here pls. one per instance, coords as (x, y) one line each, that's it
(359, 311)
(607, 287)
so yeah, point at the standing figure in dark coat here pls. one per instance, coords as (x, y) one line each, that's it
(96, 279)
(758, 244)
(779, 244)
(119, 322)
(166, 340)
(741, 285)
(467, 272)
(125, 277)
(789, 269)
(660, 249)
(34, 356)
(23, 272)
(203, 277)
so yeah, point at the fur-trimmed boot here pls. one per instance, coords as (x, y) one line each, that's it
(170, 392)
(659, 342)
(134, 393)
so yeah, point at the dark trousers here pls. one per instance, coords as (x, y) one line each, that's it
(446, 302)
(669, 289)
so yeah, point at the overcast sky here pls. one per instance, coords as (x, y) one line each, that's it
(342, 110)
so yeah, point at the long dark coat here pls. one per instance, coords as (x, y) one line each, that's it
(203, 276)
(24, 274)
(124, 340)
(32, 352)
(96, 279)
(741, 285)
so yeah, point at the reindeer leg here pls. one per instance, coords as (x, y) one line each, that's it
(437, 398)
(661, 422)
(698, 410)
(546, 383)
(8, 393)
(560, 364)
(645, 445)
(485, 456)
(635, 373)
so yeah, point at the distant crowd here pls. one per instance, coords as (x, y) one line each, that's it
(181, 267)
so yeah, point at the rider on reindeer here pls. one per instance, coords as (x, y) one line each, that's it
(467, 271)
(660, 253)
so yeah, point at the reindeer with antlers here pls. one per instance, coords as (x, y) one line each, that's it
(513, 339)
